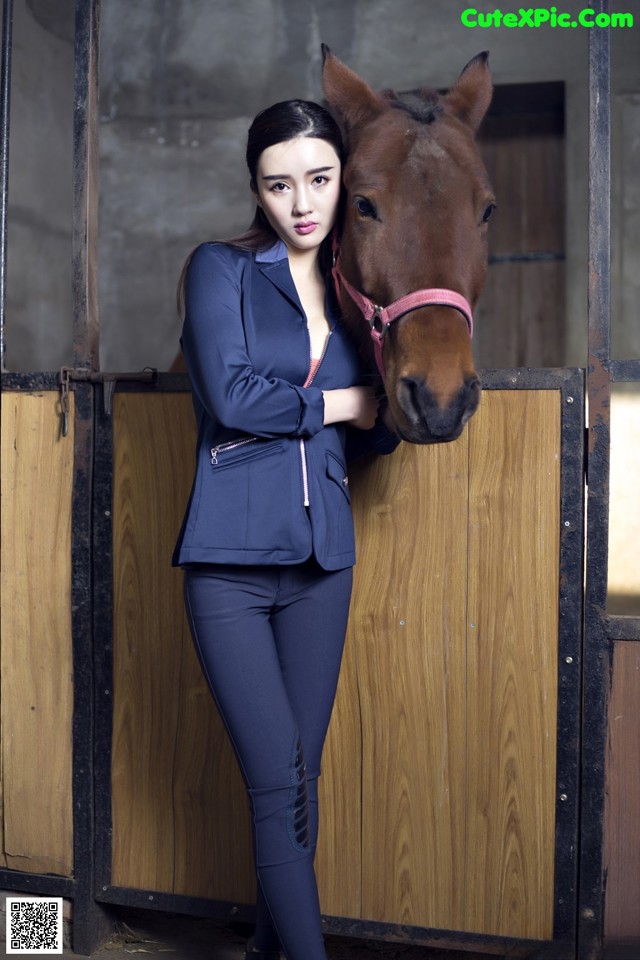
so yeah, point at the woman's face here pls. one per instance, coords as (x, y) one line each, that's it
(298, 184)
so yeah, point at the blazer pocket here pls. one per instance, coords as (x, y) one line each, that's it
(233, 502)
(237, 452)
(337, 471)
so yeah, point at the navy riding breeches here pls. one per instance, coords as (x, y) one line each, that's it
(270, 641)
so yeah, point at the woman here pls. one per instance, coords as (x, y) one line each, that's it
(267, 540)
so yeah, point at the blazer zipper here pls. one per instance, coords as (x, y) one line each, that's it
(303, 452)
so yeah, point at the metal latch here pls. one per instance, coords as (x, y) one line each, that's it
(108, 381)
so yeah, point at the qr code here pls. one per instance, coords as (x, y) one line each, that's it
(34, 924)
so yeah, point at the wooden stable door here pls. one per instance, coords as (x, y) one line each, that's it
(448, 701)
(440, 777)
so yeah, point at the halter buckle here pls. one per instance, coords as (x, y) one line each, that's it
(377, 323)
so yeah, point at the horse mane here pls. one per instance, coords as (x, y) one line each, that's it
(423, 105)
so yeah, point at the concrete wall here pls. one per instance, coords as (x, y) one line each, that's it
(180, 83)
(39, 306)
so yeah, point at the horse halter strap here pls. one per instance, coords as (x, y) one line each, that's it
(379, 318)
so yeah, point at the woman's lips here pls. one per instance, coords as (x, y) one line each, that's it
(307, 227)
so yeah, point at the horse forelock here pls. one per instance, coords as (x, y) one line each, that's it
(423, 105)
(449, 138)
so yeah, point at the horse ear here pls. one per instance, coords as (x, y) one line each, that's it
(351, 99)
(470, 96)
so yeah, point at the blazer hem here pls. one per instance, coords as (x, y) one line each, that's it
(270, 558)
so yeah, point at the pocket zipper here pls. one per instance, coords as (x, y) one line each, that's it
(230, 445)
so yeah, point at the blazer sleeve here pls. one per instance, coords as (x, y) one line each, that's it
(378, 440)
(221, 372)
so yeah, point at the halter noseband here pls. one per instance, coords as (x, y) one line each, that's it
(379, 318)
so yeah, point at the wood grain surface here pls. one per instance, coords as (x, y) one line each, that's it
(622, 810)
(180, 819)
(37, 667)
(512, 670)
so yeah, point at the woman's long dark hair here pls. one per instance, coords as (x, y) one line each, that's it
(283, 121)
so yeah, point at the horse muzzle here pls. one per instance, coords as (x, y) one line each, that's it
(423, 417)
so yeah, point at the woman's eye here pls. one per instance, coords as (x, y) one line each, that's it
(365, 208)
(320, 179)
(278, 187)
(488, 211)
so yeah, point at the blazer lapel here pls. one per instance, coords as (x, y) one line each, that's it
(274, 265)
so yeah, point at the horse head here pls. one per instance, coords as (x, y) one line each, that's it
(417, 205)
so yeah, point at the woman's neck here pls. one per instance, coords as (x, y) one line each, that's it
(305, 268)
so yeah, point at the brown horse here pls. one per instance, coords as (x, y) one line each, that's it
(414, 239)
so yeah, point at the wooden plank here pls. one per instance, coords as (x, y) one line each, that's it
(339, 854)
(520, 319)
(37, 665)
(180, 822)
(213, 847)
(408, 632)
(146, 644)
(622, 800)
(512, 664)
(497, 333)
(542, 309)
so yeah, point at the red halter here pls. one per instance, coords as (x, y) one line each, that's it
(379, 318)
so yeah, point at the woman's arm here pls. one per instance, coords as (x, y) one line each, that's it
(222, 374)
(220, 369)
(354, 405)
(382, 439)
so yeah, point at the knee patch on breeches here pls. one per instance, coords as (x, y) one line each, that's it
(300, 801)
(281, 816)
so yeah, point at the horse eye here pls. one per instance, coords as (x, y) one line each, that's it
(365, 208)
(486, 216)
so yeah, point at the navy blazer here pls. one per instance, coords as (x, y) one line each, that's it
(270, 483)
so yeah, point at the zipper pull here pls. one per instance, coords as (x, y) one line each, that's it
(214, 455)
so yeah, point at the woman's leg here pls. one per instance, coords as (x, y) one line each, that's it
(231, 611)
(309, 625)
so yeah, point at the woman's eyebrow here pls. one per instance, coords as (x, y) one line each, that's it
(287, 176)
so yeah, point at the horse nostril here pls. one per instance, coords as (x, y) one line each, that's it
(469, 400)
(422, 408)
(472, 391)
(442, 418)
(414, 397)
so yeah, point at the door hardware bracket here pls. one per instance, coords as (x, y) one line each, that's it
(70, 375)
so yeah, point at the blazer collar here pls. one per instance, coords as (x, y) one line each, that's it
(277, 252)
(274, 265)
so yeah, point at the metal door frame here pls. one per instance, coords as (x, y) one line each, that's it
(600, 629)
(90, 918)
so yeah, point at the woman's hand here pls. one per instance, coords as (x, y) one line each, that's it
(355, 405)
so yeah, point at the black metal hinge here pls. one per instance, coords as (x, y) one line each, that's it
(108, 381)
